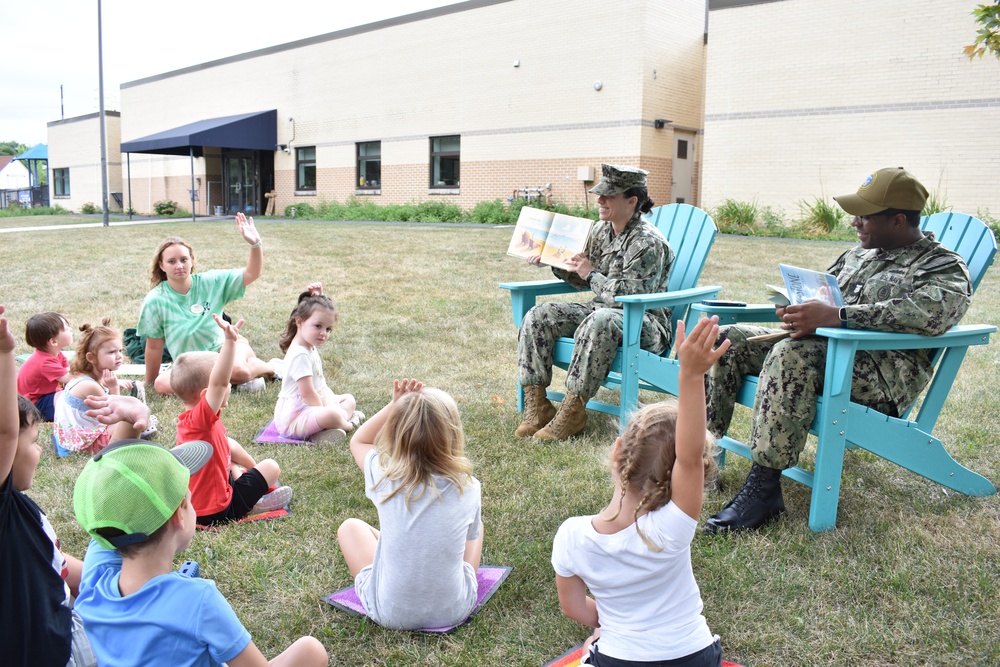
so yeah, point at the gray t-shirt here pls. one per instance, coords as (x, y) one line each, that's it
(419, 578)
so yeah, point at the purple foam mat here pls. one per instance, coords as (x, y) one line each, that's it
(488, 577)
(269, 435)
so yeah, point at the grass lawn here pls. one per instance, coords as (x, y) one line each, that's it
(909, 577)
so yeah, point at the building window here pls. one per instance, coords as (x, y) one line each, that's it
(370, 165)
(305, 168)
(60, 182)
(682, 149)
(444, 161)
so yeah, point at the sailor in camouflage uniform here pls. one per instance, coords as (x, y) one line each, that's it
(624, 255)
(897, 279)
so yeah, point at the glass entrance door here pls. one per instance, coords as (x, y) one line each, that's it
(240, 174)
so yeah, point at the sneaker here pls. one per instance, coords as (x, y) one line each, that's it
(279, 368)
(138, 390)
(254, 386)
(151, 430)
(357, 419)
(328, 437)
(275, 500)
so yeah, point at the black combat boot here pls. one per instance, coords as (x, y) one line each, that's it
(758, 502)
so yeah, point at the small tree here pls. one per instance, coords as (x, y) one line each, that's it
(988, 38)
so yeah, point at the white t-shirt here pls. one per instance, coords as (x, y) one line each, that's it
(419, 578)
(301, 361)
(648, 602)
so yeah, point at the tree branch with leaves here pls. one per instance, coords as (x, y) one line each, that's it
(988, 37)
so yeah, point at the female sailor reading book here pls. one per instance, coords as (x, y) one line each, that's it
(624, 255)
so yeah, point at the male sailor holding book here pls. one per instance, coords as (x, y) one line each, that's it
(896, 279)
(624, 255)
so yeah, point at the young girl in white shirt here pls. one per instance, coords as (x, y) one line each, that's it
(635, 555)
(306, 405)
(418, 570)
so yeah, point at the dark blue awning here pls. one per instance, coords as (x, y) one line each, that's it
(251, 131)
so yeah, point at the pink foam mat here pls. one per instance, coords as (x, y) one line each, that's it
(488, 577)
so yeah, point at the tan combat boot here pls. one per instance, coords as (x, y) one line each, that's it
(538, 411)
(570, 420)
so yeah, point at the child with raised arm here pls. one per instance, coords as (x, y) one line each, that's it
(37, 626)
(419, 569)
(99, 353)
(306, 405)
(232, 485)
(635, 555)
(133, 500)
(47, 369)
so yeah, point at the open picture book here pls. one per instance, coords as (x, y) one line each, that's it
(554, 236)
(801, 285)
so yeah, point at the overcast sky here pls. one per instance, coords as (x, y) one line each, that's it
(48, 43)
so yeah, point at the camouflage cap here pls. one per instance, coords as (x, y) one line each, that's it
(615, 180)
(892, 187)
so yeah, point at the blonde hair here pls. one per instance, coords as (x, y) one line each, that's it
(91, 340)
(156, 274)
(422, 438)
(190, 373)
(646, 456)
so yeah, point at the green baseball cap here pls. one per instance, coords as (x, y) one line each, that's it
(892, 187)
(615, 180)
(135, 486)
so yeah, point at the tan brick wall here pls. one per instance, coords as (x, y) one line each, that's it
(455, 74)
(852, 97)
(75, 144)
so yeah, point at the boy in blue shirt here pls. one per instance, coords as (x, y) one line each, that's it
(133, 500)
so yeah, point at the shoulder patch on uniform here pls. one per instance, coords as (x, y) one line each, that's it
(941, 261)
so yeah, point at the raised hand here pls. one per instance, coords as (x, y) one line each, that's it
(7, 342)
(247, 230)
(231, 331)
(696, 351)
(315, 288)
(400, 387)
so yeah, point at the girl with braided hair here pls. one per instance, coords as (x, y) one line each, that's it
(306, 405)
(635, 555)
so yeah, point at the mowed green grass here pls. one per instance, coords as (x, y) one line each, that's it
(909, 577)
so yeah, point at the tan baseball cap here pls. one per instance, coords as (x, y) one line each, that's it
(892, 187)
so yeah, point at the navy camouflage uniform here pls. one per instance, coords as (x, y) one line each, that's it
(637, 261)
(921, 288)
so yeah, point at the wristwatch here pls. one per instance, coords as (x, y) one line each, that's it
(843, 318)
(590, 276)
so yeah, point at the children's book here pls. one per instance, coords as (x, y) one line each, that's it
(554, 236)
(801, 285)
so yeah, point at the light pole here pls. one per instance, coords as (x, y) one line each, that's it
(104, 140)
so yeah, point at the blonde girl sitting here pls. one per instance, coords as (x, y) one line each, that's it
(419, 569)
(99, 353)
(306, 405)
(635, 555)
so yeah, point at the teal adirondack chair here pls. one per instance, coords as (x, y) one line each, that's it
(690, 232)
(841, 424)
